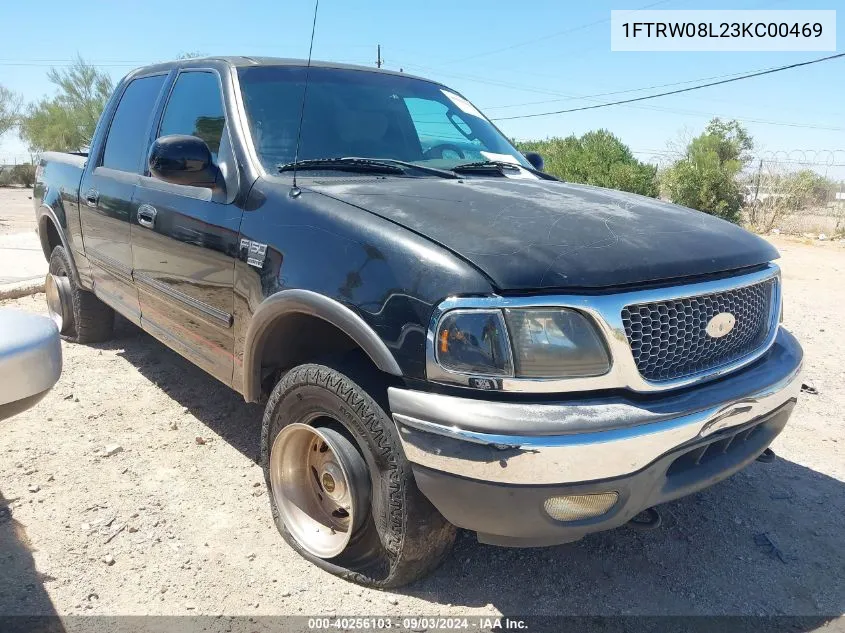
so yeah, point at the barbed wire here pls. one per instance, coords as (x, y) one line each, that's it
(795, 157)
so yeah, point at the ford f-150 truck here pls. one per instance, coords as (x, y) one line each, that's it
(443, 334)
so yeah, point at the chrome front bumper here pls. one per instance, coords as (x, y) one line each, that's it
(587, 439)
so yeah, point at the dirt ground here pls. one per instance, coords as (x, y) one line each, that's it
(168, 525)
(16, 212)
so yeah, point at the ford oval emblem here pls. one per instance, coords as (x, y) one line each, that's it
(720, 325)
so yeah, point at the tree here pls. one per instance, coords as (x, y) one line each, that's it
(10, 105)
(597, 158)
(210, 129)
(706, 177)
(734, 140)
(66, 122)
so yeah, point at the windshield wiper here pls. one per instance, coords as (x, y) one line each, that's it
(487, 165)
(347, 163)
(443, 173)
(356, 163)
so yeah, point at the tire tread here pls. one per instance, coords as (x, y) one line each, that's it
(93, 320)
(416, 537)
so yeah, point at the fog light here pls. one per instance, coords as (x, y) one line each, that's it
(577, 507)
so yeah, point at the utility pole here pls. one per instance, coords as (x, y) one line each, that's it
(378, 59)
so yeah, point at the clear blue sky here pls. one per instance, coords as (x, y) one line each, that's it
(555, 50)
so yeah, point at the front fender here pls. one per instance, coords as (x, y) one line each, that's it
(381, 280)
(299, 301)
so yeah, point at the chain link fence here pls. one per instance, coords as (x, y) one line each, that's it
(800, 192)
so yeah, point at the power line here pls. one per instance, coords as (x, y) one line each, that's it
(672, 92)
(710, 115)
(489, 82)
(809, 126)
(619, 92)
(592, 97)
(581, 49)
(475, 79)
(534, 40)
(68, 64)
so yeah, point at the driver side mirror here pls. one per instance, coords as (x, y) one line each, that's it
(183, 160)
(535, 159)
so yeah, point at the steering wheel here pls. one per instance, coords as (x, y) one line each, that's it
(436, 151)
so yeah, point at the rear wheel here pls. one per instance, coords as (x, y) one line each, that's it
(78, 314)
(342, 492)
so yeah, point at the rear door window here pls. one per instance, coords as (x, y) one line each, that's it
(195, 108)
(127, 139)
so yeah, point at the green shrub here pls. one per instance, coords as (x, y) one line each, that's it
(24, 175)
(597, 158)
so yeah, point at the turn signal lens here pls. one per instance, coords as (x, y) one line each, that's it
(578, 507)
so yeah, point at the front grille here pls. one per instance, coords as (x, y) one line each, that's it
(668, 338)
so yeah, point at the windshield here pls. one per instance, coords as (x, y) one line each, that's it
(368, 115)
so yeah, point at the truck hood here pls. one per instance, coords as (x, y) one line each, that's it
(527, 234)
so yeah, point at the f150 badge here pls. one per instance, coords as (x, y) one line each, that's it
(255, 252)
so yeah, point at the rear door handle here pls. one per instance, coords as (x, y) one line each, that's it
(92, 196)
(147, 216)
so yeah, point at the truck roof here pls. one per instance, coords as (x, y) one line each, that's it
(239, 61)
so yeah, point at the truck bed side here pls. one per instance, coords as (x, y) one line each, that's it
(56, 201)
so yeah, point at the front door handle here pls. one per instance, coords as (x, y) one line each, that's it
(147, 216)
(92, 196)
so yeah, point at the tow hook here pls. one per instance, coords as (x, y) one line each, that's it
(648, 519)
(767, 456)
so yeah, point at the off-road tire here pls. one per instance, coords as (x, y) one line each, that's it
(405, 537)
(93, 320)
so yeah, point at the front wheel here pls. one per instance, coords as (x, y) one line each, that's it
(342, 492)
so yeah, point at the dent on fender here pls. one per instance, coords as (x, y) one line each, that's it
(298, 301)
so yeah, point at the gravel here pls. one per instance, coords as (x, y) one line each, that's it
(197, 540)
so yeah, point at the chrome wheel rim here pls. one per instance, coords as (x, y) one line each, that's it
(57, 289)
(320, 485)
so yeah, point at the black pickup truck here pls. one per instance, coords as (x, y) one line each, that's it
(443, 334)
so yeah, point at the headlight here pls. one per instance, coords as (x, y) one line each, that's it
(555, 343)
(474, 342)
(521, 343)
